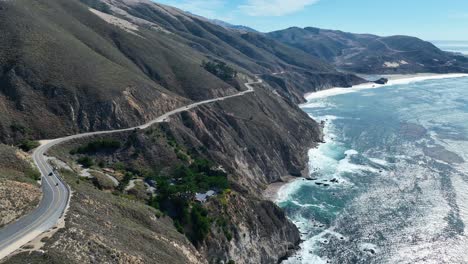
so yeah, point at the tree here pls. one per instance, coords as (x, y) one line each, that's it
(28, 145)
(220, 69)
(86, 161)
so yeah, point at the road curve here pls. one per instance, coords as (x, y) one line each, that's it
(56, 193)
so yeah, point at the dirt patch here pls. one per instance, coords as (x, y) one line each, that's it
(123, 24)
(16, 199)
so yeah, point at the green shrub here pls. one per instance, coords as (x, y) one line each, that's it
(182, 156)
(200, 223)
(33, 174)
(86, 161)
(220, 69)
(159, 214)
(28, 145)
(15, 127)
(179, 227)
(98, 145)
(223, 224)
(125, 181)
(120, 166)
(107, 145)
(228, 235)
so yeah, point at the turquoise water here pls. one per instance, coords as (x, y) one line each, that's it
(390, 183)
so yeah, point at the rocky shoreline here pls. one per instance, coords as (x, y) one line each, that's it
(273, 191)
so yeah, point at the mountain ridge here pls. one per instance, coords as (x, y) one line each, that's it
(368, 53)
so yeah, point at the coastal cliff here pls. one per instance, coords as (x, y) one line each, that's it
(253, 150)
(256, 150)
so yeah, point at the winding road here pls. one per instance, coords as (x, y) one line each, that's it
(56, 193)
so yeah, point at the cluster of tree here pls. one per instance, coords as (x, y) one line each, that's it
(175, 195)
(27, 145)
(220, 69)
(97, 145)
(86, 161)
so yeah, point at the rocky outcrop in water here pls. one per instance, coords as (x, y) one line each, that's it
(381, 81)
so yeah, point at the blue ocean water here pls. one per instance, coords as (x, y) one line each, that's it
(453, 46)
(390, 185)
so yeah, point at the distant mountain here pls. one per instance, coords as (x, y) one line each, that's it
(365, 53)
(235, 27)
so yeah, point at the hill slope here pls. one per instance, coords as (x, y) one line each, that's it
(365, 53)
(69, 66)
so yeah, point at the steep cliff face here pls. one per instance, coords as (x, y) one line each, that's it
(255, 149)
(256, 139)
(294, 85)
(260, 232)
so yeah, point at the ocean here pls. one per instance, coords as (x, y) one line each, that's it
(453, 46)
(390, 183)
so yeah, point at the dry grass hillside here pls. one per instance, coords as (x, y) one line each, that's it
(19, 191)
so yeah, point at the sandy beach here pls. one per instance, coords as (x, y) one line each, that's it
(392, 80)
(272, 191)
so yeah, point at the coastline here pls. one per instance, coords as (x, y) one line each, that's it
(392, 80)
(277, 191)
(273, 190)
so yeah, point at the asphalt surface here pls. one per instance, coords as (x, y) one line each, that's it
(56, 193)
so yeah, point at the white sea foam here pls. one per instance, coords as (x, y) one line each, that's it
(316, 104)
(306, 254)
(410, 204)
(351, 152)
(286, 190)
(379, 161)
(345, 165)
(403, 80)
(319, 206)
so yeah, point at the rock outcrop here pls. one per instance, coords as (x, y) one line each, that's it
(381, 81)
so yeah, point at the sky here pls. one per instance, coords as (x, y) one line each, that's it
(427, 19)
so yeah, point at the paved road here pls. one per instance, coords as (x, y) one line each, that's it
(56, 194)
(392, 49)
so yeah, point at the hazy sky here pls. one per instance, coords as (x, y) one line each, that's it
(428, 19)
